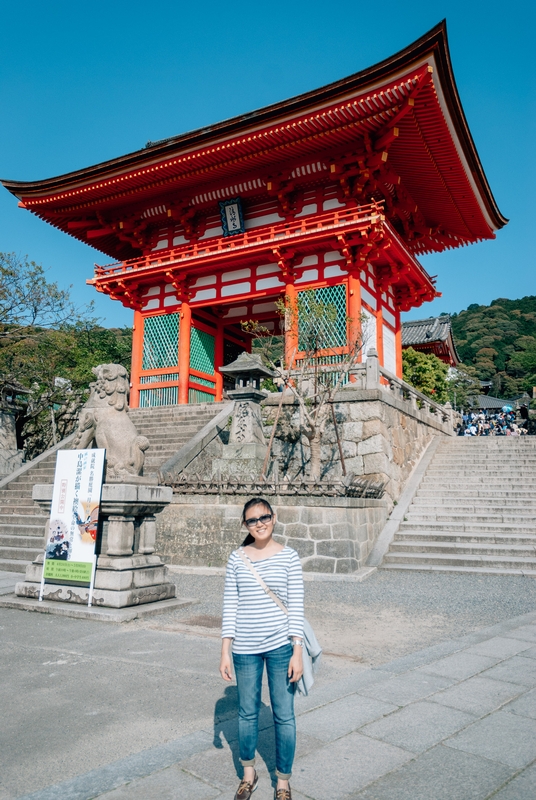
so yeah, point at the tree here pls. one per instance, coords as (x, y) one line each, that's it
(523, 362)
(49, 346)
(27, 300)
(322, 336)
(427, 373)
(56, 365)
(494, 340)
(462, 386)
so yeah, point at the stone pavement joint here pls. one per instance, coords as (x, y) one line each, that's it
(450, 722)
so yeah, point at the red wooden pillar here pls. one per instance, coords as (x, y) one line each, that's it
(291, 325)
(379, 333)
(218, 362)
(398, 345)
(137, 358)
(184, 351)
(354, 313)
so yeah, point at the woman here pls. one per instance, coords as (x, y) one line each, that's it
(256, 632)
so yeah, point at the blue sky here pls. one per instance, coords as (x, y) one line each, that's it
(84, 82)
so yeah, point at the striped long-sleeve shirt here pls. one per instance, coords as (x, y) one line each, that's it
(250, 617)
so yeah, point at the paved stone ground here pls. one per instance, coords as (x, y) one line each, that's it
(122, 712)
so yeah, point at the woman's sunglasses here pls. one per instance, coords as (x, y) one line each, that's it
(264, 520)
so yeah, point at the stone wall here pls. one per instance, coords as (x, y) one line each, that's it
(383, 430)
(381, 438)
(332, 535)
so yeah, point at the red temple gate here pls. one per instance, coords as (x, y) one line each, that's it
(337, 191)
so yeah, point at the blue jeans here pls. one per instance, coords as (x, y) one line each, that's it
(249, 669)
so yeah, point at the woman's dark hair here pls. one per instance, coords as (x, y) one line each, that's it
(255, 501)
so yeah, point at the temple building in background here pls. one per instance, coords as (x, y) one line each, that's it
(432, 335)
(338, 190)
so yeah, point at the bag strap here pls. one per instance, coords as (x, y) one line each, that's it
(260, 581)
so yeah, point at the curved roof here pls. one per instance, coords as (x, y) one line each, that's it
(430, 150)
(423, 332)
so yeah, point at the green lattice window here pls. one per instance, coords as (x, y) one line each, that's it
(322, 318)
(161, 341)
(202, 351)
(196, 396)
(165, 396)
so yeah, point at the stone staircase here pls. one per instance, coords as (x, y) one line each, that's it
(474, 511)
(22, 523)
(168, 428)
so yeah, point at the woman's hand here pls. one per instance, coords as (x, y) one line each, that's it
(225, 661)
(295, 666)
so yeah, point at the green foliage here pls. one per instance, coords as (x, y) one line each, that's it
(27, 299)
(499, 342)
(427, 373)
(43, 338)
(462, 385)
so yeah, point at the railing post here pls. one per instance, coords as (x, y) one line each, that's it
(449, 413)
(373, 369)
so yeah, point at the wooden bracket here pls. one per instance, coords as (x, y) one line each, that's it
(181, 284)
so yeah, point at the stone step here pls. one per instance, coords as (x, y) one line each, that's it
(22, 541)
(479, 483)
(161, 434)
(10, 529)
(485, 458)
(525, 446)
(522, 573)
(474, 505)
(8, 496)
(458, 548)
(21, 519)
(484, 466)
(14, 565)
(167, 447)
(140, 416)
(466, 538)
(25, 504)
(483, 475)
(468, 527)
(21, 507)
(34, 471)
(513, 519)
(463, 560)
(19, 553)
(482, 493)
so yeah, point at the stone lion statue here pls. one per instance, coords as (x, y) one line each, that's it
(104, 422)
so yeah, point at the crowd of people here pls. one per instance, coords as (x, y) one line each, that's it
(494, 423)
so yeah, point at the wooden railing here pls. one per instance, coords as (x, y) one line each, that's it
(277, 234)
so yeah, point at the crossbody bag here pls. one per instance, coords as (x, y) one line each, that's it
(311, 649)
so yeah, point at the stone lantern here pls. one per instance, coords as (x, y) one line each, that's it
(244, 455)
(11, 394)
(248, 371)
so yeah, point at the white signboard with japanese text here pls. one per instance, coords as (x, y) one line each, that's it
(74, 518)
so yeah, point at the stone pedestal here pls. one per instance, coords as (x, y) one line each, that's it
(245, 453)
(240, 461)
(128, 571)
